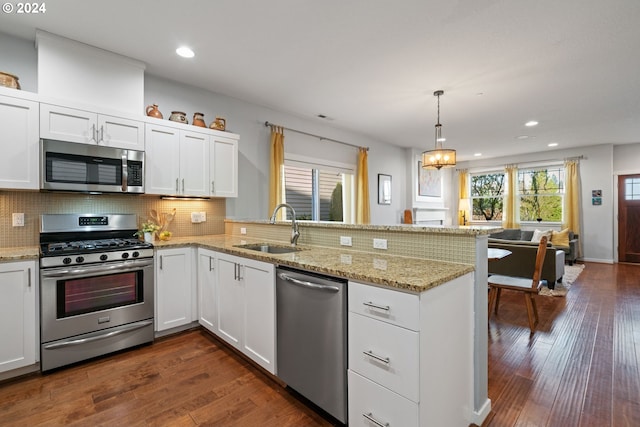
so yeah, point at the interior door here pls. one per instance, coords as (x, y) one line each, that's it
(629, 218)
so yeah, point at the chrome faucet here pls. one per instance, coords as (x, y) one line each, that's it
(294, 225)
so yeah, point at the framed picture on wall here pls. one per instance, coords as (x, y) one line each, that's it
(384, 189)
(429, 183)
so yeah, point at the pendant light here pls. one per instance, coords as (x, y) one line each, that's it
(439, 157)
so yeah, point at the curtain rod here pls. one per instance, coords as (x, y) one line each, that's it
(580, 157)
(321, 138)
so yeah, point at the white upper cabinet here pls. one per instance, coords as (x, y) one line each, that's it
(176, 162)
(19, 164)
(185, 162)
(224, 167)
(86, 127)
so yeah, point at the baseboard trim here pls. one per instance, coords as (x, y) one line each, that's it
(481, 414)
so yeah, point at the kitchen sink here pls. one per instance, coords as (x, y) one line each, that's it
(272, 249)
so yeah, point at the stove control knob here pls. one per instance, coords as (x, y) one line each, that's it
(125, 255)
(136, 254)
(103, 257)
(80, 259)
(67, 260)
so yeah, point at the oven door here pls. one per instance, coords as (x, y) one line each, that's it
(85, 299)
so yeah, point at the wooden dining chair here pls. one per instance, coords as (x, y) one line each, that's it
(528, 286)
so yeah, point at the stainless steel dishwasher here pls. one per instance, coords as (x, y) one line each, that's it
(312, 337)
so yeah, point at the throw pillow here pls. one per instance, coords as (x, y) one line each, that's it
(537, 235)
(560, 238)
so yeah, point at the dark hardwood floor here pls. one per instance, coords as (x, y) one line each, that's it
(580, 368)
(183, 380)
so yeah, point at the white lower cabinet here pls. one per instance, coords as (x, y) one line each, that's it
(174, 288)
(411, 355)
(246, 307)
(18, 315)
(371, 405)
(207, 298)
(386, 354)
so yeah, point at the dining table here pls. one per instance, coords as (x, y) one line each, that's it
(494, 254)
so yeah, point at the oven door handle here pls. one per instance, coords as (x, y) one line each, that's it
(100, 336)
(121, 267)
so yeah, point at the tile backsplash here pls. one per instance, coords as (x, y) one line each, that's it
(33, 204)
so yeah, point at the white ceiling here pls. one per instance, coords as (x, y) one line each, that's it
(372, 65)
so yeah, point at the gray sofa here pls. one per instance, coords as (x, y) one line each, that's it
(570, 252)
(522, 260)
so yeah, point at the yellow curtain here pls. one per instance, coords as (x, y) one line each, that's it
(463, 194)
(510, 208)
(276, 194)
(571, 206)
(362, 188)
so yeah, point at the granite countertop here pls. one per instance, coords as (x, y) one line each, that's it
(411, 274)
(470, 230)
(18, 254)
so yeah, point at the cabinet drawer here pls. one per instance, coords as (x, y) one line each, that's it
(369, 401)
(386, 354)
(391, 306)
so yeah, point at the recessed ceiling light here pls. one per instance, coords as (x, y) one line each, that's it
(531, 123)
(185, 52)
(522, 137)
(477, 154)
(552, 144)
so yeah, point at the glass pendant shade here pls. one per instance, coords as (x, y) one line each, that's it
(439, 157)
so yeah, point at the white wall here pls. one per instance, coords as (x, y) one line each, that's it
(18, 57)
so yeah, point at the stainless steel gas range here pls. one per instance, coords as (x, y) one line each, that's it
(96, 287)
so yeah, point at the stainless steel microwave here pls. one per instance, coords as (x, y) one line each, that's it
(69, 166)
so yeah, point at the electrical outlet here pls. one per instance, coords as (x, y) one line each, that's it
(203, 217)
(380, 243)
(18, 219)
(243, 230)
(195, 217)
(379, 264)
(345, 240)
(345, 259)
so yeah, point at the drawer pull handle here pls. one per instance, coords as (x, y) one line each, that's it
(369, 416)
(379, 307)
(375, 356)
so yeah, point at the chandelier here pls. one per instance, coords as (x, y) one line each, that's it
(439, 157)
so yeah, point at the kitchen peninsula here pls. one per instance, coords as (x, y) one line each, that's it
(440, 267)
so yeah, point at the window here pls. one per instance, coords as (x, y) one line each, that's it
(632, 189)
(487, 191)
(318, 192)
(541, 194)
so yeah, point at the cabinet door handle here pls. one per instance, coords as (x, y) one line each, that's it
(29, 276)
(213, 187)
(210, 263)
(372, 355)
(160, 262)
(235, 271)
(370, 417)
(94, 133)
(183, 185)
(240, 272)
(379, 307)
(101, 134)
(177, 189)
